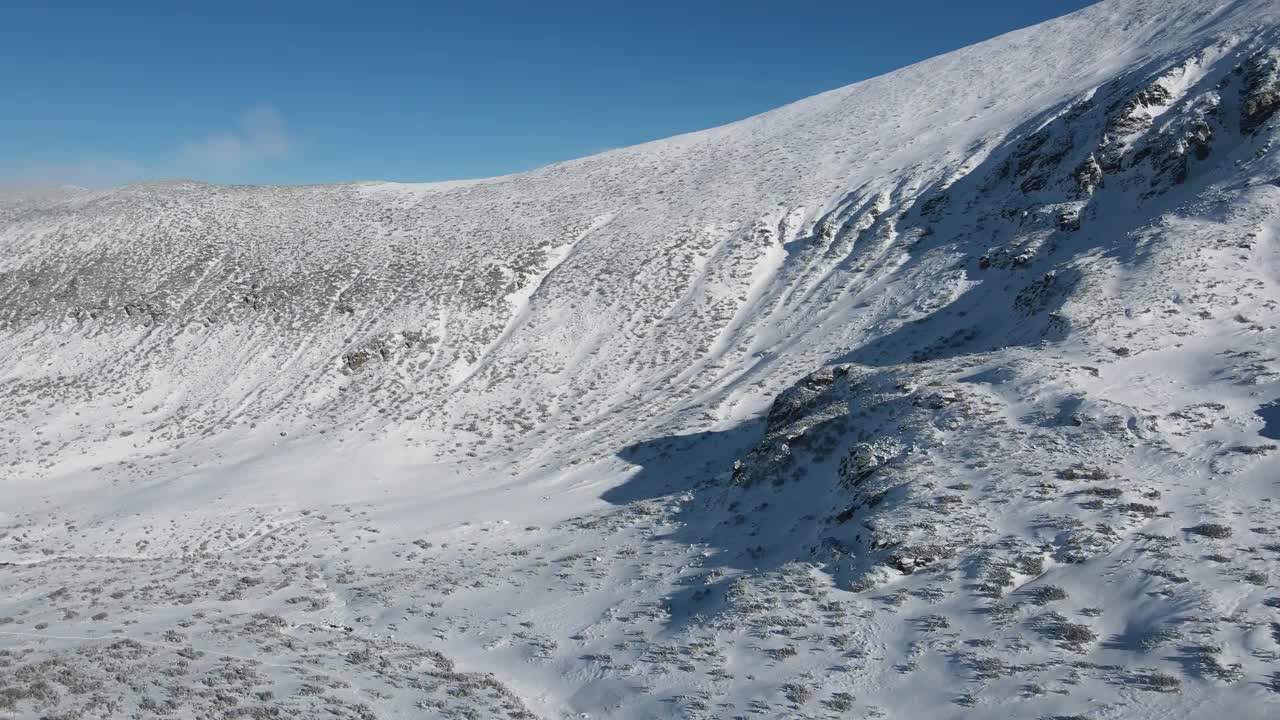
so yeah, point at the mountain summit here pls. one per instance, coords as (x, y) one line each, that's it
(951, 393)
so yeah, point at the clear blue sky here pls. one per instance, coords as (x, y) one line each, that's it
(229, 91)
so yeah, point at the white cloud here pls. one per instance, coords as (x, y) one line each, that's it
(261, 135)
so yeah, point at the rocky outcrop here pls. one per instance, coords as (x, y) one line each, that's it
(1261, 92)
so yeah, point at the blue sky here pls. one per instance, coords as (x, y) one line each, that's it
(274, 92)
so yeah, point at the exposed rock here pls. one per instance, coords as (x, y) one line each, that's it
(1261, 91)
(1088, 176)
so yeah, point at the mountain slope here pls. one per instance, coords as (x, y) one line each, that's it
(1039, 277)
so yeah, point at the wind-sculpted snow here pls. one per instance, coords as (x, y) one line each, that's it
(947, 393)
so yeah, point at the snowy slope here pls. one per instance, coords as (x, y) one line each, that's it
(946, 394)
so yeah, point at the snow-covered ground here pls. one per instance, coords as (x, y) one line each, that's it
(952, 393)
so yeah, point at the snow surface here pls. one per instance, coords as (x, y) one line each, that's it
(946, 394)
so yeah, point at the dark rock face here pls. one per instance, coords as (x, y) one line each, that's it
(1037, 296)
(1261, 93)
(810, 414)
(1038, 157)
(1199, 139)
(1128, 119)
(1088, 176)
(1172, 157)
(1146, 137)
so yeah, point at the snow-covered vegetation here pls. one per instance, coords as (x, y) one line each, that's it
(951, 393)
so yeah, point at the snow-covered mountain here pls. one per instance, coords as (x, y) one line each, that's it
(951, 393)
